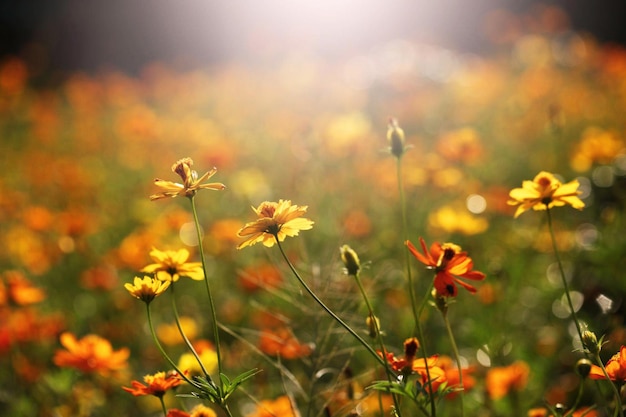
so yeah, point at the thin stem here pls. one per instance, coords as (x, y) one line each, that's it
(160, 347)
(379, 337)
(328, 310)
(184, 336)
(216, 335)
(457, 357)
(407, 258)
(618, 400)
(163, 406)
(565, 284)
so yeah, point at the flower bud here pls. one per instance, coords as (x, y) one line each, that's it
(395, 136)
(350, 260)
(373, 325)
(590, 342)
(583, 367)
(410, 349)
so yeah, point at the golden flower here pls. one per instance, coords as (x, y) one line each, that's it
(169, 334)
(90, 354)
(188, 363)
(545, 192)
(275, 221)
(280, 407)
(171, 265)
(157, 384)
(191, 182)
(147, 288)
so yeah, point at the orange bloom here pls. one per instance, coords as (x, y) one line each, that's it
(282, 342)
(275, 221)
(615, 367)
(258, 277)
(545, 192)
(452, 375)
(191, 182)
(543, 412)
(450, 264)
(157, 384)
(417, 365)
(21, 291)
(280, 407)
(92, 353)
(171, 265)
(501, 380)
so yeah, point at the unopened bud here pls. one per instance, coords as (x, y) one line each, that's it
(395, 136)
(583, 367)
(410, 349)
(350, 260)
(373, 326)
(590, 342)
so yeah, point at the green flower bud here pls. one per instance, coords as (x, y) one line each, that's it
(583, 367)
(350, 260)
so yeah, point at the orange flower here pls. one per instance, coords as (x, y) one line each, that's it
(258, 277)
(282, 342)
(280, 407)
(171, 265)
(501, 380)
(615, 367)
(92, 353)
(545, 192)
(410, 364)
(452, 375)
(157, 384)
(191, 182)
(146, 289)
(21, 291)
(449, 263)
(543, 412)
(275, 221)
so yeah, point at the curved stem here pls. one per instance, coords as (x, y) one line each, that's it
(564, 280)
(216, 335)
(184, 336)
(160, 347)
(457, 358)
(379, 336)
(327, 309)
(407, 259)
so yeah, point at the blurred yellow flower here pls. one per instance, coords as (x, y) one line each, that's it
(275, 221)
(147, 288)
(596, 146)
(280, 407)
(169, 334)
(189, 364)
(191, 182)
(451, 221)
(171, 265)
(544, 192)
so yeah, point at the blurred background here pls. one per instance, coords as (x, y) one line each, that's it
(88, 35)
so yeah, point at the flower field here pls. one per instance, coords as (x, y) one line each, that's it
(415, 231)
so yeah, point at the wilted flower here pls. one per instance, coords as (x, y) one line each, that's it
(90, 354)
(544, 192)
(275, 221)
(191, 182)
(171, 265)
(147, 288)
(157, 384)
(449, 263)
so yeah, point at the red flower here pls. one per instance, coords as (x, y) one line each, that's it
(450, 264)
(157, 384)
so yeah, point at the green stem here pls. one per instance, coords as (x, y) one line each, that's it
(618, 399)
(327, 309)
(564, 279)
(457, 357)
(379, 337)
(163, 406)
(165, 355)
(184, 336)
(407, 258)
(216, 335)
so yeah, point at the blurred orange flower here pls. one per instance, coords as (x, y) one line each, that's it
(544, 192)
(20, 290)
(157, 384)
(501, 380)
(452, 375)
(449, 263)
(615, 367)
(191, 182)
(258, 277)
(275, 221)
(282, 342)
(91, 354)
(543, 412)
(171, 265)
(280, 407)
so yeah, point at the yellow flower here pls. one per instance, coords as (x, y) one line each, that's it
(191, 182)
(171, 265)
(545, 192)
(147, 289)
(275, 221)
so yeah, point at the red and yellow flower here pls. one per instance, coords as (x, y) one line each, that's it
(157, 384)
